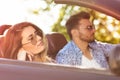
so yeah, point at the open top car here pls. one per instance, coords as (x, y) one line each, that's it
(25, 70)
(15, 70)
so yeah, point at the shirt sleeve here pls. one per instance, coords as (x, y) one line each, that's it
(62, 58)
(107, 48)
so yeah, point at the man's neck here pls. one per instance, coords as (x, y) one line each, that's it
(84, 47)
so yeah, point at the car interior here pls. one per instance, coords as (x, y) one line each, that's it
(25, 70)
(56, 41)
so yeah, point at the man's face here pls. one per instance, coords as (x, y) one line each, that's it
(85, 30)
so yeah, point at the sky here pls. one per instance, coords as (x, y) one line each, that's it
(15, 11)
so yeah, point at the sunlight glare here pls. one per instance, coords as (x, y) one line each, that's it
(14, 11)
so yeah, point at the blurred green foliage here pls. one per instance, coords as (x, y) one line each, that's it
(107, 28)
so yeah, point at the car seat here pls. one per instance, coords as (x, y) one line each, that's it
(56, 41)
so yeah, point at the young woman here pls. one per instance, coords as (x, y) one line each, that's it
(25, 41)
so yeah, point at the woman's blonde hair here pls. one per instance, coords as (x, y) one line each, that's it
(13, 42)
(42, 56)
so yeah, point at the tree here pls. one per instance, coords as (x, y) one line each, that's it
(107, 28)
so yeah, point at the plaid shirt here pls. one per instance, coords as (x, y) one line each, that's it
(72, 55)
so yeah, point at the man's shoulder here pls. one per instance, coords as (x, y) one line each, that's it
(69, 47)
(98, 44)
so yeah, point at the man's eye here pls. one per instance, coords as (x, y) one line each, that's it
(90, 27)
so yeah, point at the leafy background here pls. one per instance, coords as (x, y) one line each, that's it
(107, 28)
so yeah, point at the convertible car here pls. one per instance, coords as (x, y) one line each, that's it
(25, 70)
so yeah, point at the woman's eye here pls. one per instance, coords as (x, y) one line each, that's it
(36, 32)
(31, 39)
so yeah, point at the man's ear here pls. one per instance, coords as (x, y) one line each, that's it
(74, 31)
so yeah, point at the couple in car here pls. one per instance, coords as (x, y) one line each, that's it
(25, 41)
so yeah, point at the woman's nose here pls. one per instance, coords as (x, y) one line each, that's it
(36, 39)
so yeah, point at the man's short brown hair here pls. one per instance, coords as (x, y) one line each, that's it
(74, 20)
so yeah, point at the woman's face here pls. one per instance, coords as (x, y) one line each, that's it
(31, 41)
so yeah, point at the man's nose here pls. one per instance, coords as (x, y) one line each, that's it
(93, 30)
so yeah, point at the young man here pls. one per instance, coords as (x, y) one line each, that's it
(83, 50)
